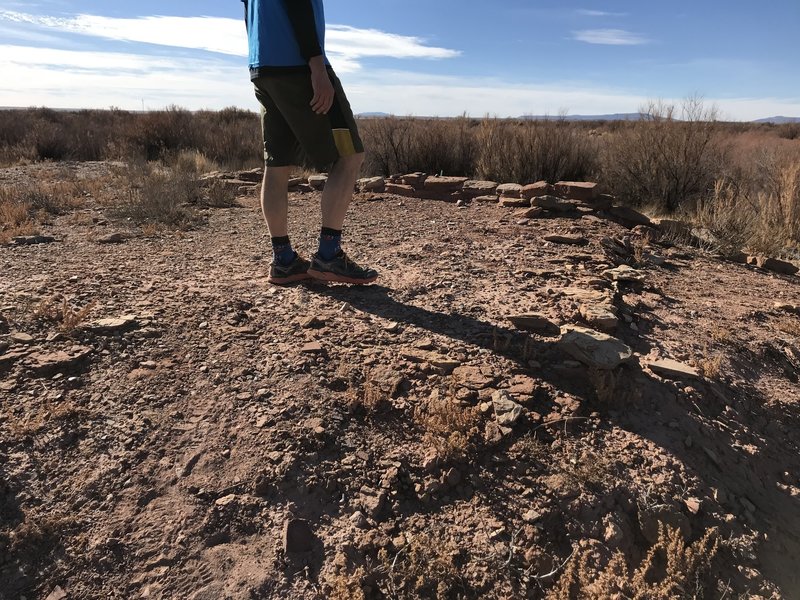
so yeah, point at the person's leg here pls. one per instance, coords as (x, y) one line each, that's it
(280, 146)
(275, 200)
(338, 190)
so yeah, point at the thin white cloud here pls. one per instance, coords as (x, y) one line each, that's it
(599, 13)
(609, 37)
(78, 79)
(344, 44)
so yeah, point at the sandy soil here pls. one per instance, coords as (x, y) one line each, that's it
(163, 455)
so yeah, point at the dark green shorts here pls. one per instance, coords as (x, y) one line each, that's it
(293, 133)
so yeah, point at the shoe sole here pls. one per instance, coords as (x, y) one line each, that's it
(289, 279)
(334, 278)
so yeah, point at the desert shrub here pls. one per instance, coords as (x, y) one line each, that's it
(159, 195)
(668, 159)
(529, 151)
(759, 210)
(671, 569)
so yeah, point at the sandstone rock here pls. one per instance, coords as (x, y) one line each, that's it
(372, 502)
(113, 325)
(672, 369)
(568, 239)
(534, 190)
(486, 199)
(32, 240)
(774, 265)
(312, 348)
(8, 359)
(522, 385)
(444, 184)
(473, 188)
(576, 190)
(45, 364)
(112, 238)
(535, 322)
(359, 520)
(553, 203)
(474, 378)
(594, 349)
(20, 338)
(57, 594)
(509, 202)
(624, 273)
(600, 315)
(298, 536)
(294, 182)
(415, 180)
(628, 216)
(530, 213)
(312, 322)
(372, 184)
(445, 364)
(510, 190)
(507, 412)
(400, 190)
(252, 175)
(318, 182)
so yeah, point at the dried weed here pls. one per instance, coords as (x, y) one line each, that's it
(448, 427)
(671, 569)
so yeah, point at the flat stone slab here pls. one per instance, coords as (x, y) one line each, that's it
(510, 190)
(773, 264)
(509, 202)
(553, 203)
(624, 273)
(444, 184)
(600, 315)
(479, 188)
(298, 536)
(672, 369)
(506, 411)
(534, 322)
(593, 348)
(399, 189)
(629, 216)
(112, 325)
(45, 364)
(474, 378)
(372, 184)
(568, 239)
(577, 190)
(534, 190)
(31, 240)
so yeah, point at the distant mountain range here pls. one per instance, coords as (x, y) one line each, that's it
(779, 120)
(611, 117)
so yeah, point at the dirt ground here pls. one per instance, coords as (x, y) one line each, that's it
(165, 452)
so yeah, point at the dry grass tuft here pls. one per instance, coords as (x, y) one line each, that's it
(58, 310)
(448, 427)
(218, 194)
(159, 195)
(426, 567)
(710, 365)
(345, 586)
(790, 326)
(672, 569)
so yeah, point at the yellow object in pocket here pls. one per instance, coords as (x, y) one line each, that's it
(344, 142)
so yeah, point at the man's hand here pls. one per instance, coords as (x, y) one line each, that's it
(321, 83)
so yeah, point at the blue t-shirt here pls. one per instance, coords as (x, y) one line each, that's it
(284, 33)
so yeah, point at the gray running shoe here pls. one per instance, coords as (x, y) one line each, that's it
(340, 269)
(297, 270)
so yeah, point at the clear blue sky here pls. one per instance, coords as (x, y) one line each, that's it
(424, 57)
